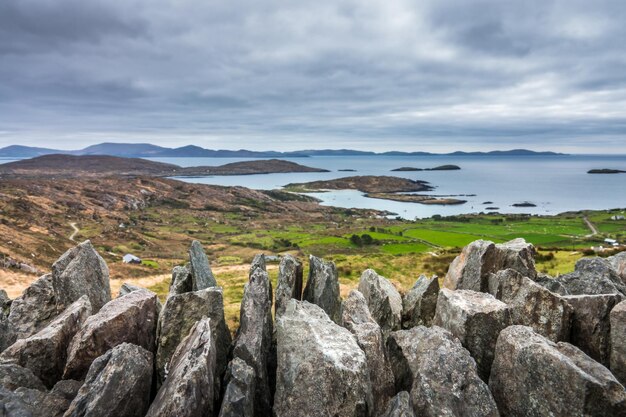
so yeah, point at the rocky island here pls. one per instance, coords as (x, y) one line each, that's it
(606, 171)
(438, 168)
(381, 187)
(102, 166)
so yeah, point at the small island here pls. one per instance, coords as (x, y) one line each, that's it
(381, 187)
(438, 168)
(606, 171)
(346, 170)
(524, 204)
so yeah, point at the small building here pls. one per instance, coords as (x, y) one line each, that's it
(610, 241)
(131, 259)
(617, 217)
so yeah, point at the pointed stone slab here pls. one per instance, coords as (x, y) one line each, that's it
(289, 284)
(420, 303)
(322, 287)
(202, 276)
(383, 300)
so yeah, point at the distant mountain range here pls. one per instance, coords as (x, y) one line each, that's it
(146, 150)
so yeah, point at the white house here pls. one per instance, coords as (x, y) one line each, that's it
(131, 259)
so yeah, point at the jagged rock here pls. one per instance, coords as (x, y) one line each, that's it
(201, 274)
(471, 269)
(532, 376)
(5, 303)
(400, 406)
(476, 319)
(67, 388)
(533, 305)
(27, 402)
(118, 384)
(131, 318)
(189, 388)
(591, 325)
(356, 317)
(618, 262)
(551, 284)
(322, 287)
(127, 288)
(383, 300)
(321, 369)
(45, 352)
(179, 315)
(289, 283)
(239, 396)
(31, 312)
(81, 271)
(618, 341)
(420, 303)
(440, 374)
(254, 337)
(13, 376)
(592, 276)
(181, 281)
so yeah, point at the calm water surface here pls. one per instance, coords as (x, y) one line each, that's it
(554, 183)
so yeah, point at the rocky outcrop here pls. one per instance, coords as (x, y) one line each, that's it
(420, 303)
(321, 369)
(532, 305)
(592, 276)
(30, 312)
(618, 262)
(591, 325)
(289, 283)
(439, 373)
(532, 376)
(27, 402)
(45, 352)
(201, 274)
(356, 317)
(81, 271)
(400, 406)
(476, 319)
(383, 300)
(189, 388)
(128, 319)
(118, 384)
(253, 342)
(13, 376)
(471, 269)
(618, 342)
(179, 315)
(240, 387)
(322, 287)
(181, 281)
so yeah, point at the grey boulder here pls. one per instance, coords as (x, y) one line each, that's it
(420, 303)
(532, 376)
(383, 300)
(118, 384)
(618, 342)
(27, 402)
(356, 317)
(592, 276)
(13, 376)
(45, 352)
(618, 262)
(181, 281)
(322, 371)
(128, 319)
(439, 373)
(289, 283)
(532, 304)
(81, 271)
(476, 319)
(30, 312)
(253, 342)
(400, 406)
(471, 269)
(239, 395)
(322, 287)
(201, 274)
(180, 313)
(189, 389)
(591, 324)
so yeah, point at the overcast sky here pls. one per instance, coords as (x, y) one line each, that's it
(435, 75)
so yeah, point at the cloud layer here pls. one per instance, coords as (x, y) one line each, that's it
(412, 75)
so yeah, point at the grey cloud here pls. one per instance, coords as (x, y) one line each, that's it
(411, 75)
